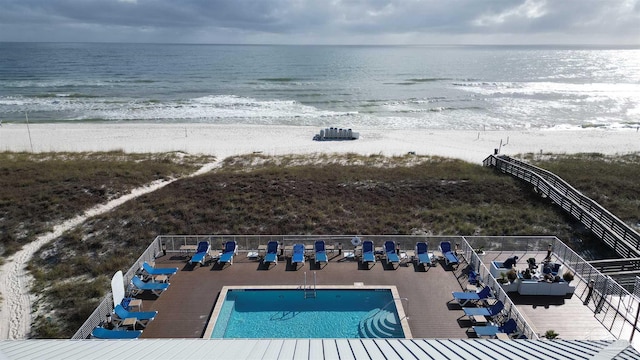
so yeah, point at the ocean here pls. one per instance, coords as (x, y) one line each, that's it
(395, 87)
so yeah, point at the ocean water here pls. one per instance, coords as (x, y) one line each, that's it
(399, 87)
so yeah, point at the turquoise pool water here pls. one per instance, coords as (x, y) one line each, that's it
(258, 313)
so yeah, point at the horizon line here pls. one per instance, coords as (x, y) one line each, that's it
(593, 45)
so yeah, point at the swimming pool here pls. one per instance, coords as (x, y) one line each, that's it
(325, 313)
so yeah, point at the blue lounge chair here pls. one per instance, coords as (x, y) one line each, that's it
(158, 271)
(272, 253)
(201, 253)
(368, 252)
(140, 286)
(449, 257)
(126, 301)
(463, 298)
(509, 327)
(143, 317)
(230, 249)
(422, 252)
(102, 333)
(390, 252)
(298, 255)
(320, 251)
(491, 311)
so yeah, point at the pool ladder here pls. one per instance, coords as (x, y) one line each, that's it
(309, 292)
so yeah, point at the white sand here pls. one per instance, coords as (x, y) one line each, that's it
(15, 312)
(227, 140)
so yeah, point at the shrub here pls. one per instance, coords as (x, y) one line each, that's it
(503, 278)
(568, 276)
(551, 334)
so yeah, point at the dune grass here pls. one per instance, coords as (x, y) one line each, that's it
(612, 181)
(39, 190)
(255, 194)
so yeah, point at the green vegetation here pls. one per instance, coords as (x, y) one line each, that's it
(38, 191)
(256, 194)
(550, 334)
(568, 276)
(612, 181)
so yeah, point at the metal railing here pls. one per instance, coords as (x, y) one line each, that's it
(106, 305)
(510, 311)
(310, 292)
(404, 243)
(335, 243)
(623, 271)
(612, 305)
(614, 232)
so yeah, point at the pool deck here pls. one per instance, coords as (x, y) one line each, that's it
(568, 317)
(185, 308)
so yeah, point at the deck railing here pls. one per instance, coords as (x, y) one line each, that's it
(172, 244)
(510, 310)
(624, 240)
(623, 271)
(612, 305)
(251, 243)
(106, 305)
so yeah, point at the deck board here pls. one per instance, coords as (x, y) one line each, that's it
(184, 309)
(570, 318)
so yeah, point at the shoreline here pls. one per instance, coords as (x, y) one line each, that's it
(230, 140)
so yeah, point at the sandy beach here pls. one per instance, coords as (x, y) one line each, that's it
(227, 140)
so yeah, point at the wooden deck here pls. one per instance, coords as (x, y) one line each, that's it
(568, 317)
(185, 308)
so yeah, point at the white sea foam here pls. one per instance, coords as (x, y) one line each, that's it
(221, 109)
(450, 88)
(617, 90)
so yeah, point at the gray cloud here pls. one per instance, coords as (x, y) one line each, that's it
(322, 21)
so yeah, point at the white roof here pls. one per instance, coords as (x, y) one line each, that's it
(316, 349)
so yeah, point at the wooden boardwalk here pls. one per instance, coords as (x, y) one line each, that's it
(614, 232)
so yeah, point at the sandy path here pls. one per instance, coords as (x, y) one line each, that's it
(15, 281)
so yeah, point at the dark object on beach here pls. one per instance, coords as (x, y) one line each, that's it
(336, 134)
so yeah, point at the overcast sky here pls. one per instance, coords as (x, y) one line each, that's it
(323, 21)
